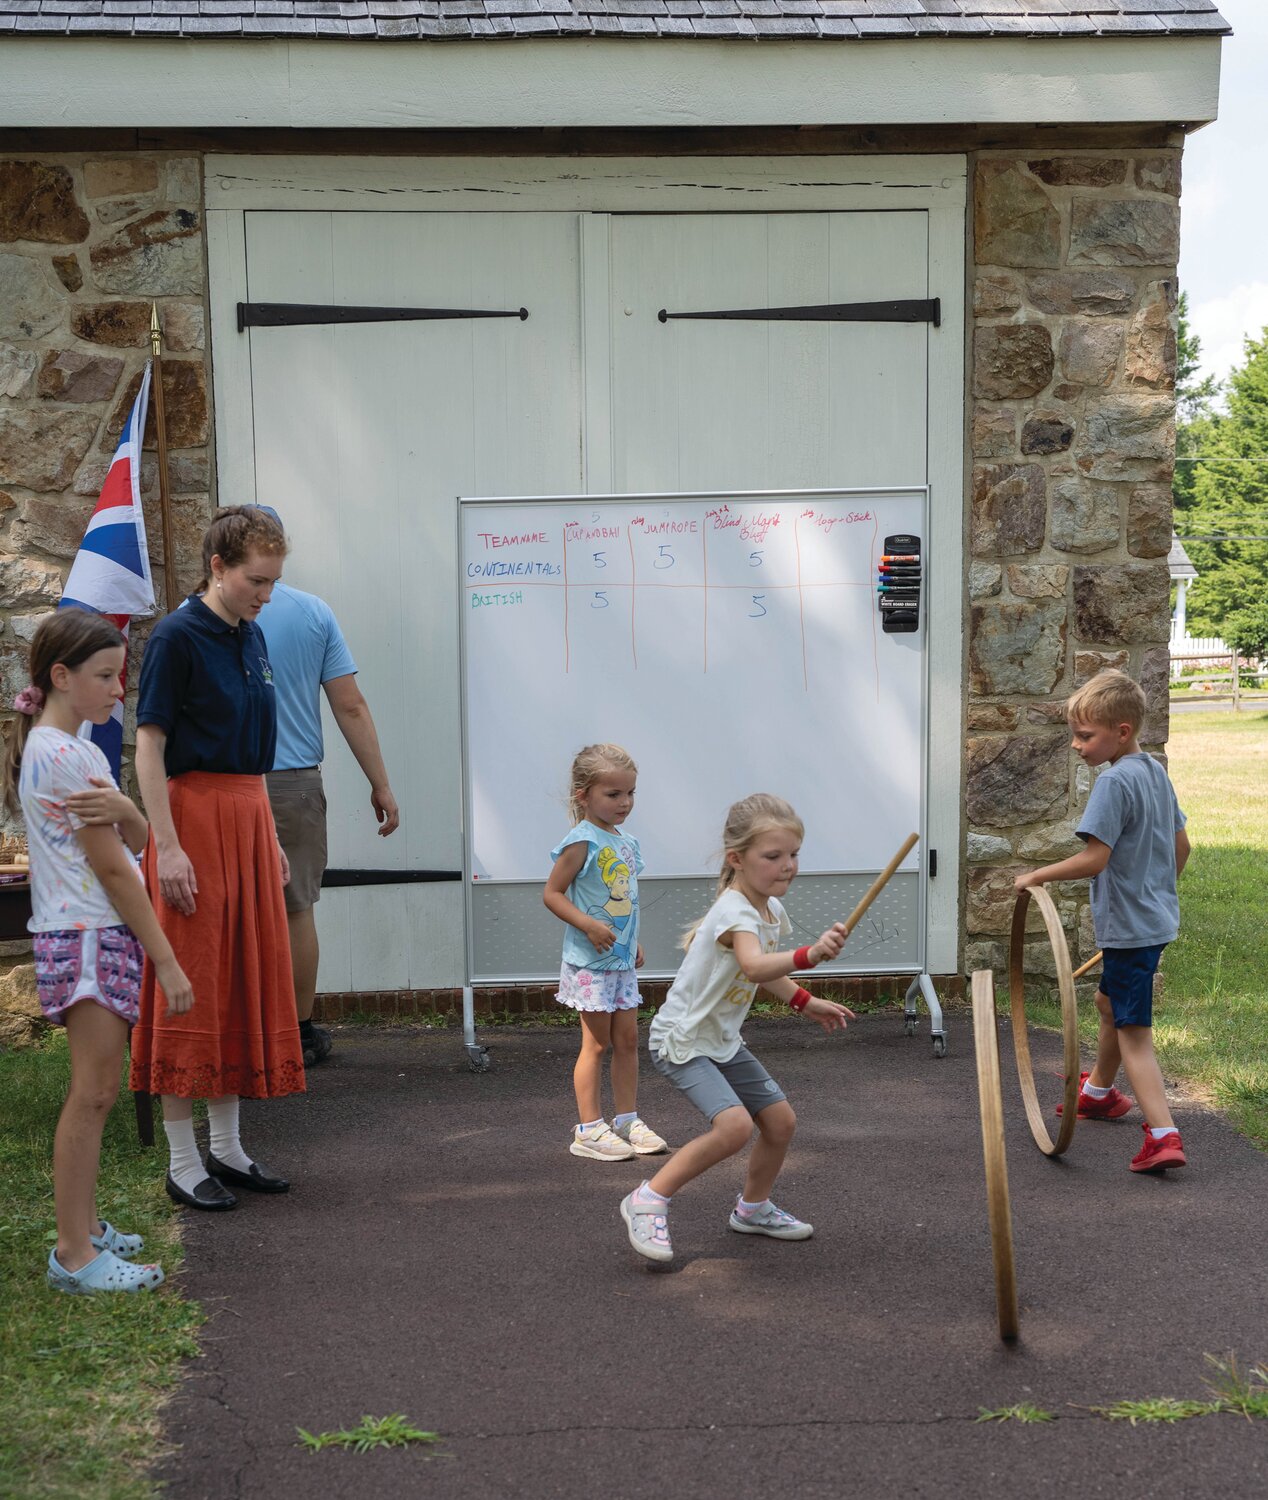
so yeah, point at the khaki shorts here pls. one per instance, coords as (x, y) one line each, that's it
(299, 810)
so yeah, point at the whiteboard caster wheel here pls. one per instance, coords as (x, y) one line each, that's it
(939, 1046)
(478, 1059)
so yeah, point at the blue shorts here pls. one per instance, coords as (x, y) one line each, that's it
(1127, 981)
(713, 1087)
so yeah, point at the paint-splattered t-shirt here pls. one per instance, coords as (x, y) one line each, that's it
(64, 891)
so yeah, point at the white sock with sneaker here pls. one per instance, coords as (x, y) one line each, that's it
(1095, 1093)
(186, 1166)
(586, 1126)
(648, 1197)
(619, 1120)
(1158, 1131)
(222, 1115)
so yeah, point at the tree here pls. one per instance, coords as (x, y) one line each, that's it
(1227, 497)
(1247, 630)
(1195, 418)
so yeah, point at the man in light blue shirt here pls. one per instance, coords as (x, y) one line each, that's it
(308, 655)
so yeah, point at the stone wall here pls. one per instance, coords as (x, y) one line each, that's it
(1072, 419)
(87, 243)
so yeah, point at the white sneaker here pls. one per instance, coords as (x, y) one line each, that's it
(648, 1228)
(772, 1221)
(601, 1144)
(644, 1140)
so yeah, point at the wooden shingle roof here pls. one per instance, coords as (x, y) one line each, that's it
(390, 20)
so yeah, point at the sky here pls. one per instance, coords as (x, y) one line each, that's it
(1224, 205)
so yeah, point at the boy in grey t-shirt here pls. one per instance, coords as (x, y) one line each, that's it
(1136, 847)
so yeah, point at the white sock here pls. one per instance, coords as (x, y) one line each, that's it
(222, 1115)
(586, 1126)
(650, 1195)
(1093, 1093)
(619, 1120)
(1158, 1131)
(186, 1166)
(745, 1208)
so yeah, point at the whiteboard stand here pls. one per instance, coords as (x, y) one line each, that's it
(477, 1055)
(555, 587)
(923, 985)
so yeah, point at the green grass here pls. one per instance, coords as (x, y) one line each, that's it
(1211, 1028)
(1024, 1411)
(369, 1434)
(82, 1379)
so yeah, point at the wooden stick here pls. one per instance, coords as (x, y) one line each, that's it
(878, 885)
(1091, 964)
(1069, 1020)
(170, 581)
(991, 1106)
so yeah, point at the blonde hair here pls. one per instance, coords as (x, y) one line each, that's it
(1108, 699)
(746, 821)
(590, 765)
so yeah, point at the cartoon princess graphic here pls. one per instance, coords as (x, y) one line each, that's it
(620, 910)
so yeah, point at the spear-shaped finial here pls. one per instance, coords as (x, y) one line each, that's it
(156, 333)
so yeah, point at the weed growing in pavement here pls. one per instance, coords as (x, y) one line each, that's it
(371, 1433)
(1024, 1411)
(1244, 1392)
(1154, 1409)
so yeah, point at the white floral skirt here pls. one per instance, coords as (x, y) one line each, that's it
(597, 989)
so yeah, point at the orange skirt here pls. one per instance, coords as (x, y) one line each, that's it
(241, 1036)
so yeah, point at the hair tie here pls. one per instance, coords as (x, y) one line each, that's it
(30, 700)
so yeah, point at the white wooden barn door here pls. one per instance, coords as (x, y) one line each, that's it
(365, 434)
(766, 404)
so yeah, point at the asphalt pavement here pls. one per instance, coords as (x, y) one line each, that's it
(442, 1255)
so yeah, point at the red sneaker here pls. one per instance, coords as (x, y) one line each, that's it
(1158, 1155)
(1113, 1107)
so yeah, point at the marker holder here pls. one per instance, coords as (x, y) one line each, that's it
(899, 573)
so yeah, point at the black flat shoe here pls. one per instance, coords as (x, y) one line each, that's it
(209, 1194)
(258, 1181)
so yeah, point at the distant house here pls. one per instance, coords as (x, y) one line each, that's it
(1010, 169)
(1182, 574)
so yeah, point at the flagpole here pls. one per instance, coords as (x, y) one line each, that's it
(170, 582)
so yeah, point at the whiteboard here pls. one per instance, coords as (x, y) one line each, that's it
(731, 643)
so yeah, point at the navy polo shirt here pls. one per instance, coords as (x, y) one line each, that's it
(209, 687)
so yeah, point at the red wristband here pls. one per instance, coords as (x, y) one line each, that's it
(801, 999)
(801, 958)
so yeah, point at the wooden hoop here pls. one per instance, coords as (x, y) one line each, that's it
(991, 1104)
(1069, 1020)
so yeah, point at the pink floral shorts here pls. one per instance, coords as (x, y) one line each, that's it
(94, 963)
(598, 989)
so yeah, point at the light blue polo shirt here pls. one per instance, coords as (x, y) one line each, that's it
(1133, 809)
(306, 649)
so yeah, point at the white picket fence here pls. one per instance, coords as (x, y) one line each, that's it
(1198, 645)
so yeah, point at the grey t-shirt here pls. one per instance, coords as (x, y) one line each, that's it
(1133, 809)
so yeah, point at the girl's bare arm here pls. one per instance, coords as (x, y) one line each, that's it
(566, 869)
(112, 866)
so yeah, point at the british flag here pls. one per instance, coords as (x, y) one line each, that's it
(111, 571)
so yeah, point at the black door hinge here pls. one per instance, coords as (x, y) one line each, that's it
(293, 314)
(927, 311)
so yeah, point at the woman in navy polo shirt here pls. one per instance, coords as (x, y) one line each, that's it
(206, 732)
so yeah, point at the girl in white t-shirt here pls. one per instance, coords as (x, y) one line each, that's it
(88, 910)
(695, 1036)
